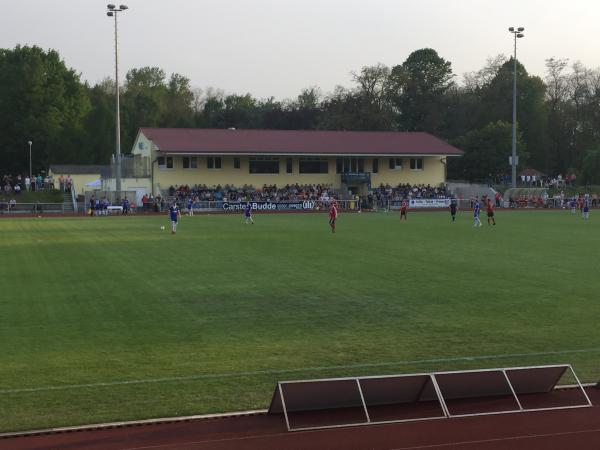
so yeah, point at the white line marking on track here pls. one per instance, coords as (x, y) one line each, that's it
(291, 435)
(287, 371)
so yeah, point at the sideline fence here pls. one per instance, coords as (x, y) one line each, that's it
(31, 208)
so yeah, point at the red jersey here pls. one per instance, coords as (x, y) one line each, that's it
(490, 207)
(333, 212)
(403, 206)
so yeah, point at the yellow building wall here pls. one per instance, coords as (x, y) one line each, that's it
(79, 180)
(433, 173)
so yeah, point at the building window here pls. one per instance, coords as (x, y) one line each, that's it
(141, 145)
(395, 163)
(416, 163)
(213, 162)
(375, 165)
(313, 165)
(190, 162)
(263, 164)
(165, 162)
(346, 165)
(236, 163)
(289, 165)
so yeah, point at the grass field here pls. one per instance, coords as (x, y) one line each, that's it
(106, 319)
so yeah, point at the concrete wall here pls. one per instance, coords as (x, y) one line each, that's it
(79, 180)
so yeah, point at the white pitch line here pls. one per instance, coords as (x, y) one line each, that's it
(286, 371)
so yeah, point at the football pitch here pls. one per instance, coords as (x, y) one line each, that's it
(110, 318)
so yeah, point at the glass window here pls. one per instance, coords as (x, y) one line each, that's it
(313, 165)
(346, 165)
(375, 165)
(236, 163)
(263, 164)
(395, 163)
(416, 163)
(213, 162)
(190, 162)
(169, 162)
(289, 165)
(160, 160)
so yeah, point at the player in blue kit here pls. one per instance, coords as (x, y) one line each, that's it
(190, 206)
(476, 211)
(174, 214)
(248, 213)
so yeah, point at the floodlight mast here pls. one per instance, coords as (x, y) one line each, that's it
(112, 12)
(517, 34)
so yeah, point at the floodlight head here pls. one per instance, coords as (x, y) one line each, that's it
(29, 142)
(521, 29)
(110, 6)
(109, 13)
(520, 35)
(511, 29)
(123, 7)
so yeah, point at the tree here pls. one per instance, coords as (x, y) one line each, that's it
(591, 167)
(417, 91)
(40, 100)
(486, 153)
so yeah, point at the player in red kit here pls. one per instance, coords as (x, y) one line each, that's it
(490, 213)
(333, 215)
(403, 208)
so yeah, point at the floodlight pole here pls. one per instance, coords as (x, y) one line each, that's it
(30, 171)
(517, 33)
(113, 12)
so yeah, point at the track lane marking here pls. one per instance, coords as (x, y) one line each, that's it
(447, 444)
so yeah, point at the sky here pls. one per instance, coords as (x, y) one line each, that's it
(276, 48)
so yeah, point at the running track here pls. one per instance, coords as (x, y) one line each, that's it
(548, 430)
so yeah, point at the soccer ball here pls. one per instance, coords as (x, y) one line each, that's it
(162, 227)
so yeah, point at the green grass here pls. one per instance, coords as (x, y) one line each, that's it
(47, 196)
(106, 319)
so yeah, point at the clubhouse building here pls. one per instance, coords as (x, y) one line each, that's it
(353, 160)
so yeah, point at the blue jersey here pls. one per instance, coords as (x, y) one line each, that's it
(174, 211)
(190, 203)
(248, 210)
(476, 209)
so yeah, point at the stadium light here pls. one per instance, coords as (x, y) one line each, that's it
(517, 34)
(112, 12)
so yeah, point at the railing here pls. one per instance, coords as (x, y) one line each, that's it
(74, 197)
(31, 208)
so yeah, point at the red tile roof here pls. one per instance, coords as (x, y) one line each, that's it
(294, 142)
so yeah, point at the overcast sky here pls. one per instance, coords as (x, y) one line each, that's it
(278, 47)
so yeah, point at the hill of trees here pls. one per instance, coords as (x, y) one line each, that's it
(43, 100)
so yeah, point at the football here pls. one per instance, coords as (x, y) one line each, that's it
(162, 227)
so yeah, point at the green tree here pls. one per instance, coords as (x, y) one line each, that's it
(417, 91)
(591, 167)
(486, 153)
(43, 101)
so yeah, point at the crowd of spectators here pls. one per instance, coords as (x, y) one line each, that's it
(271, 193)
(408, 192)
(12, 184)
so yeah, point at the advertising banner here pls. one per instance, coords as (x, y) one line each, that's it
(429, 203)
(305, 205)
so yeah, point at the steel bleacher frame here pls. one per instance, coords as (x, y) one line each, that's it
(520, 381)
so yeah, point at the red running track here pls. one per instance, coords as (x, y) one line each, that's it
(548, 430)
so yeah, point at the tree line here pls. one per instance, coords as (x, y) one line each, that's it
(72, 122)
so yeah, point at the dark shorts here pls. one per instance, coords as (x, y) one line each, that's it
(490, 214)
(332, 220)
(402, 212)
